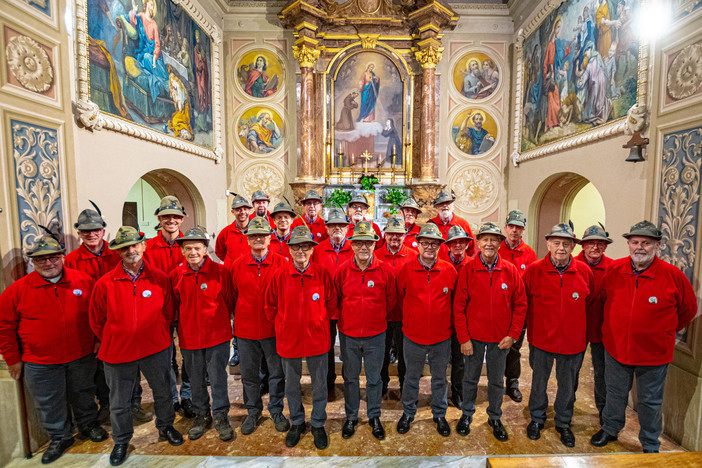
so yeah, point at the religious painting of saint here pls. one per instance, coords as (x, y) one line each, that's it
(476, 75)
(260, 72)
(150, 63)
(474, 131)
(367, 110)
(260, 130)
(580, 70)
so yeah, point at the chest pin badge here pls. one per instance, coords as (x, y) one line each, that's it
(653, 300)
(77, 292)
(414, 244)
(315, 297)
(146, 293)
(504, 286)
(576, 296)
(203, 286)
(523, 267)
(371, 284)
(445, 290)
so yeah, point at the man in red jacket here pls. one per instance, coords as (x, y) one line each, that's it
(202, 302)
(283, 215)
(410, 211)
(594, 243)
(358, 209)
(395, 253)
(131, 311)
(300, 300)
(559, 290)
(330, 254)
(45, 330)
(425, 289)
(647, 301)
(94, 259)
(489, 309)
(251, 275)
(312, 206)
(447, 219)
(231, 241)
(516, 251)
(366, 293)
(164, 253)
(260, 202)
(454, 252)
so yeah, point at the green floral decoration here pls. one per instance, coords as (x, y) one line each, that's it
(395, 197)
(368, 182)
(338, 198)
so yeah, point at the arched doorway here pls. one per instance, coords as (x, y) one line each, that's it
(562, 197)
(146, 193)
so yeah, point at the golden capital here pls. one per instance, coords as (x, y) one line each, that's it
(429, 57)
(368, 41)
(307, 56)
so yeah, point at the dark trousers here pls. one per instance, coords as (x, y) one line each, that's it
(567, 368)
(102, 391)
(650, 381)
(370, 350)
(121, 379)
(513, 365)
(211, 362)
(252, 354)
(331, 363)
(457, 366)
(185, 389)
(317, 366)
(495, 359)
(439, 355)
(394, 336)
(58, 387)
(598, 364)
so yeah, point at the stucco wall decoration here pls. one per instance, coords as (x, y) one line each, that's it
(28, 62)
(35, 150)
(684, 76)
(476, 75)
(152, 69)
(580, 67)
(679, 205)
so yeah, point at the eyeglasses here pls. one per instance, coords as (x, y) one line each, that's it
(367, 244)
(430, 245)
(303, 247)
(51, 259)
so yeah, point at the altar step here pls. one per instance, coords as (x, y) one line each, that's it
(629, 460)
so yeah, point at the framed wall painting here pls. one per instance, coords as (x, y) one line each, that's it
(150, 68)
(260, 73)
(474, 131)
(580, 68)
(476, 75)
(261, 130)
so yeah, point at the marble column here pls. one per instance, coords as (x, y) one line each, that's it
(306, 56)
(428, 58)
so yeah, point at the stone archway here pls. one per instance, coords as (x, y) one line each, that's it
(562, 197)
(146, 192)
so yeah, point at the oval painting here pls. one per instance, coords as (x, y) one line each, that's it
(260, 130)
(260, 73)
(474, 131)
(476, 75)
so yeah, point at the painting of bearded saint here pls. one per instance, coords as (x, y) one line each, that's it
(260, 130)
(259, 73)
(367, 108)
(474, 131)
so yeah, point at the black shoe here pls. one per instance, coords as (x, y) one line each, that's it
(119, 454)
(95, 432)
(224, 429)
(141, 416)
(650, 451)
(377, 428)
(442, 426)
(456, 399)
(403, 425)
(601, 438)
(200, 426)
(55, 450)
(534, 430)
(294, 434)
(234, 361)
(281, 422)
(463, 426)
(514, 394)
(173, 437)
(250, 423)
(498, 430)
(393, 356)
(320, 438)
(349, 429)
(567, 436)
(188, 408)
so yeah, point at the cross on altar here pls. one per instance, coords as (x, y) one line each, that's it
(367, 156)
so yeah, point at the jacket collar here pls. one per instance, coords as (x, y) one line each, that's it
(161, 241)
(37, 281)
(403, 252)
(604, 261)
(204, 269)
(119, 274)
(649, 272)
(308, 272)
(552, 269)
(266, 261)
(373, 264)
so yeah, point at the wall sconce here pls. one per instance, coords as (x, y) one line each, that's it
(636, 145)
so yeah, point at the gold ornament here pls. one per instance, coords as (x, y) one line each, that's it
(307, 56)
(429, 57)
(368, 41)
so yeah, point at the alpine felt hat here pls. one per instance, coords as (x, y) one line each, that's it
(363, 231)
(126, 236)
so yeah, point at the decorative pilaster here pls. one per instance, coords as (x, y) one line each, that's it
(306, 56)
(428, 58)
